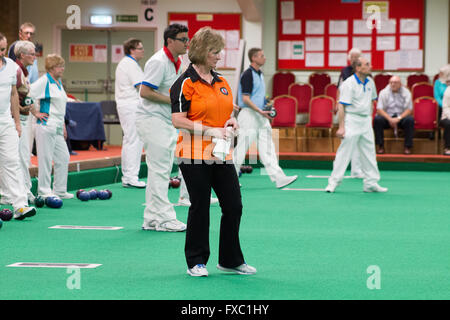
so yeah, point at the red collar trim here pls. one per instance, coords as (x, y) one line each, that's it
(169, 55)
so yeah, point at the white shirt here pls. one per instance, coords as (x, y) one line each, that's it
(129, 76)
(357, 96)
(8, 78)
(394, 102)
(52, 99)
(159, 74)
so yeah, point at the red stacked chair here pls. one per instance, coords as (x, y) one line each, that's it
(425, 112)
(381, 81)
(321, 116)
(415, 78)
(281, 82)
(422, 89)
(319, 81)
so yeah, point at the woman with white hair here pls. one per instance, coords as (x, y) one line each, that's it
(25, 56)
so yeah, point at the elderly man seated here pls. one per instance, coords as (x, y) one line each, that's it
(394, 110)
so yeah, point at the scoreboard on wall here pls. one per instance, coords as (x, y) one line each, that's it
(317, 35)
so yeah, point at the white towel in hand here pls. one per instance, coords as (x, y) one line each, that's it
(222, 147)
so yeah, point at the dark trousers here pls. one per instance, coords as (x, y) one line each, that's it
(200, 178)
(445, 123)
(407, 124)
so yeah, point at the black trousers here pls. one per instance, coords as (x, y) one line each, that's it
(445, 123)
(407, 124)
(200, 178)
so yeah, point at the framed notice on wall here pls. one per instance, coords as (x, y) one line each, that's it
(228, 24)
(390, 33)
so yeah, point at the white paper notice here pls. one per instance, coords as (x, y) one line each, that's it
(360, 27)
(100, 53)
(232, 39)
(287, 10)
(292, 27)
(409, 25)
(410, 59)
(314, 43)
(116, 53)
(315, 27)
(338, 44)
(314, 59)
(284, 50)
(298, 50)
(362, 43)
(338, 27)
(231, 58)
(387, 26)
(337, 59)
(385, 43)
(391, 60)
(409, 42)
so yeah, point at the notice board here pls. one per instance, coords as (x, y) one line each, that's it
(317, 35)
(229, 25)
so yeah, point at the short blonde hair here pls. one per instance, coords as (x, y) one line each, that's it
(204, 41)
(23, 47)
(53, 60)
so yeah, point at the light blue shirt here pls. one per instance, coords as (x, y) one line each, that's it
(439, 89)
(33, 72)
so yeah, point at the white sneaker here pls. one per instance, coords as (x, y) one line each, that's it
(65, 195)
(135, 184)
(330, 188)
(242, 269)
(285, 181)
(375, 188)
(186, 203)
(169, 226)
(24, 212)
(198, 270)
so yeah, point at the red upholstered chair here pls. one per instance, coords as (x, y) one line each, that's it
(281, 82)
(331, 91)
(286, 107)
(321, 116)
(319, 81)
(415, 78)
(422, 89)
(425, 112)
(381, 81)
(303, 92)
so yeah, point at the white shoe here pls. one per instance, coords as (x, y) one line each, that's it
(330, 188)
(24, 212)
(134, 184)
(186, 203)
(285, 181)
(65, 195)
(198, 270)
(242, 269)
(375, 188)
(169, 226)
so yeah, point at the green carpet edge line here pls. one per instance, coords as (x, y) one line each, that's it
(108, 175)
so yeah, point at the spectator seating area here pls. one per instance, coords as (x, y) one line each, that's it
(307, 121)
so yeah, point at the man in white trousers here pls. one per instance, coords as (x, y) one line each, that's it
(254, 122)
(154, 127)
(355, 129)
(346, 72)
(129, 76)
(10, 130)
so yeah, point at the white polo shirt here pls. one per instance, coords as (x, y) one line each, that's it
(8, 79)
(357, 96)
(159, 74)
(129, 76)
(52, 99)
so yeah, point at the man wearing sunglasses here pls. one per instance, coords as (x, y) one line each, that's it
(154, 127)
